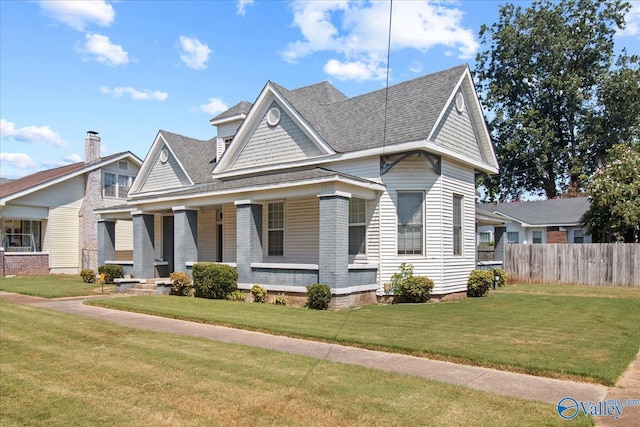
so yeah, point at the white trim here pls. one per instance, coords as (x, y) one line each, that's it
(244, 202)
(303, 289)
(62, 178)
(285, 266)
(191, 263)
(127, 262)
(364, 266)
(229, 119)
(191, 196)
(183, 208)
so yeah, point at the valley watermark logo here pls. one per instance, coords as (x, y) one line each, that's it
(569, 408)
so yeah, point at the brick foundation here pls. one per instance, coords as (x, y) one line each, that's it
(25, 264)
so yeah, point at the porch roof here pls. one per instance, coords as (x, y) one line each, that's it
(263, 181)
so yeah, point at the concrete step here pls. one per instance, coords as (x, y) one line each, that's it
(150, 286)
(134, 291)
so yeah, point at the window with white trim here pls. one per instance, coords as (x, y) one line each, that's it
(275, 229)
(484, 237)
(357, 226)
(457, 225)
(410, 222)
(536, 236)
(116, 185)
(578, 236)
(513, 237)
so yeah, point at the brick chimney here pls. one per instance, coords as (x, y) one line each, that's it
(91, 147)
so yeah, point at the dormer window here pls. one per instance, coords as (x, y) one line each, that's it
(227, 142)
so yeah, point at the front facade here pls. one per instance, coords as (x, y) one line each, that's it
(308, 186)
(48, 221)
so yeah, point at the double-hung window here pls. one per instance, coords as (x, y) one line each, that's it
(457, 225)
(410, 222)
(536, 236)
(357, 226)
(513, 237)
(275, 229)
(578, 236)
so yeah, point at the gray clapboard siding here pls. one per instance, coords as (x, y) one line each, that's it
(276, 144)
(68, 193)
(207, 236)
(301, 234)
(456, 132)
(165, 175)
(229, 230)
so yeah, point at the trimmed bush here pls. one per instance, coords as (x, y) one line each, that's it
(414, 289)
(318, 296)
(280, 300)
(259, 294)
(237, 296)
(479, 283)
(214, 281)
(88, 275)
(180, 284)
(503, 280)
(111, 272)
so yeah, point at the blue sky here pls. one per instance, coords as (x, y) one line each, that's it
(129, 68)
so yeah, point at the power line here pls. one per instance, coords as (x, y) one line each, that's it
(386, 89)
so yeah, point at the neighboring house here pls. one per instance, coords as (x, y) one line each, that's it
(539, 221)
(47, 218)
(308, 186)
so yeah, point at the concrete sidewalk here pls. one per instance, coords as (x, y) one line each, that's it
(494, 381)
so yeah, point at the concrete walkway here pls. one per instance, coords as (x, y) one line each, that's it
(494, 381)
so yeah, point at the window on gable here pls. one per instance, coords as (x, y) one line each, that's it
(410, 222)
(457, 225)
(275, 229)
(116, 185)
(123, 165)
(357, 226)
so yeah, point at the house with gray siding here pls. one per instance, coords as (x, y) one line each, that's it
(308, 186)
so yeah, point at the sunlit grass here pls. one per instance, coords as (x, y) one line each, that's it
(53, 286)
(59, 370)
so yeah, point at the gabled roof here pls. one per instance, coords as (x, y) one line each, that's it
(196, 156)
(555, 212)
(238, 111)
(42, 179)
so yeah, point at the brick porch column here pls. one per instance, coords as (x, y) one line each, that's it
(334, 240)
(185, 237)
(143, 246)
(106, 241)
(249, 238)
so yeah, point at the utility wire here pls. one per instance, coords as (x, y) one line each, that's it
(386, 89)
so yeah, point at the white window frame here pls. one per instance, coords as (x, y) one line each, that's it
(458, 223)
(536, 235)
(484, 237)
(360, 223)
(516, 233)
(421, 225)
(275, 229)
(116, 186)
(578, 234)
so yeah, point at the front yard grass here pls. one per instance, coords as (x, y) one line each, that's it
(585, 338)
(58, 369)
(54, 286)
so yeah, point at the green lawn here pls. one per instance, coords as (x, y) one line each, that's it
(59, 370)
(57, 286)
(561, 336)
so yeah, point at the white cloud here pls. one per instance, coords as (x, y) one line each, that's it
(16, 160)
(242, 6)
(31, 134)
(79, 14)
(415, 67)
(135, 94)
(195, 54)
(73, 158)
(357, 32)
(104, 51)
(632, 19)
(215, 106)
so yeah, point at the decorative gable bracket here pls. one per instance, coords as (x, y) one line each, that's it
(386, 163)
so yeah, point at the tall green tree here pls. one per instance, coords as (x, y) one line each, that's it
(557, 95)
(614, 193)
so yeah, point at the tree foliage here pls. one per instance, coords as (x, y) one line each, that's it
(614, 193)
(557, 95)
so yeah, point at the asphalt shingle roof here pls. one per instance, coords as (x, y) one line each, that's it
(197, 156)
(543, 212)
(241, 107)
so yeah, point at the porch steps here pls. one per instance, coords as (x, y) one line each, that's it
(149, 287)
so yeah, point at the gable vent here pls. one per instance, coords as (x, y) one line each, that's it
(459, 102)
(273, 116)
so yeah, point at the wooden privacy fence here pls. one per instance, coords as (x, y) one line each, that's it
(593, 264)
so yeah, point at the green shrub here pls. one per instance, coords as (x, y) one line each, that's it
(214, 281)
(413, 289)
(111, 272)
(280, 300)
(406, 271)
(237, 295)
(88, 275)
(503, 279)
(318, 296)
(479, 283)
(259, 294)
(180, 284)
